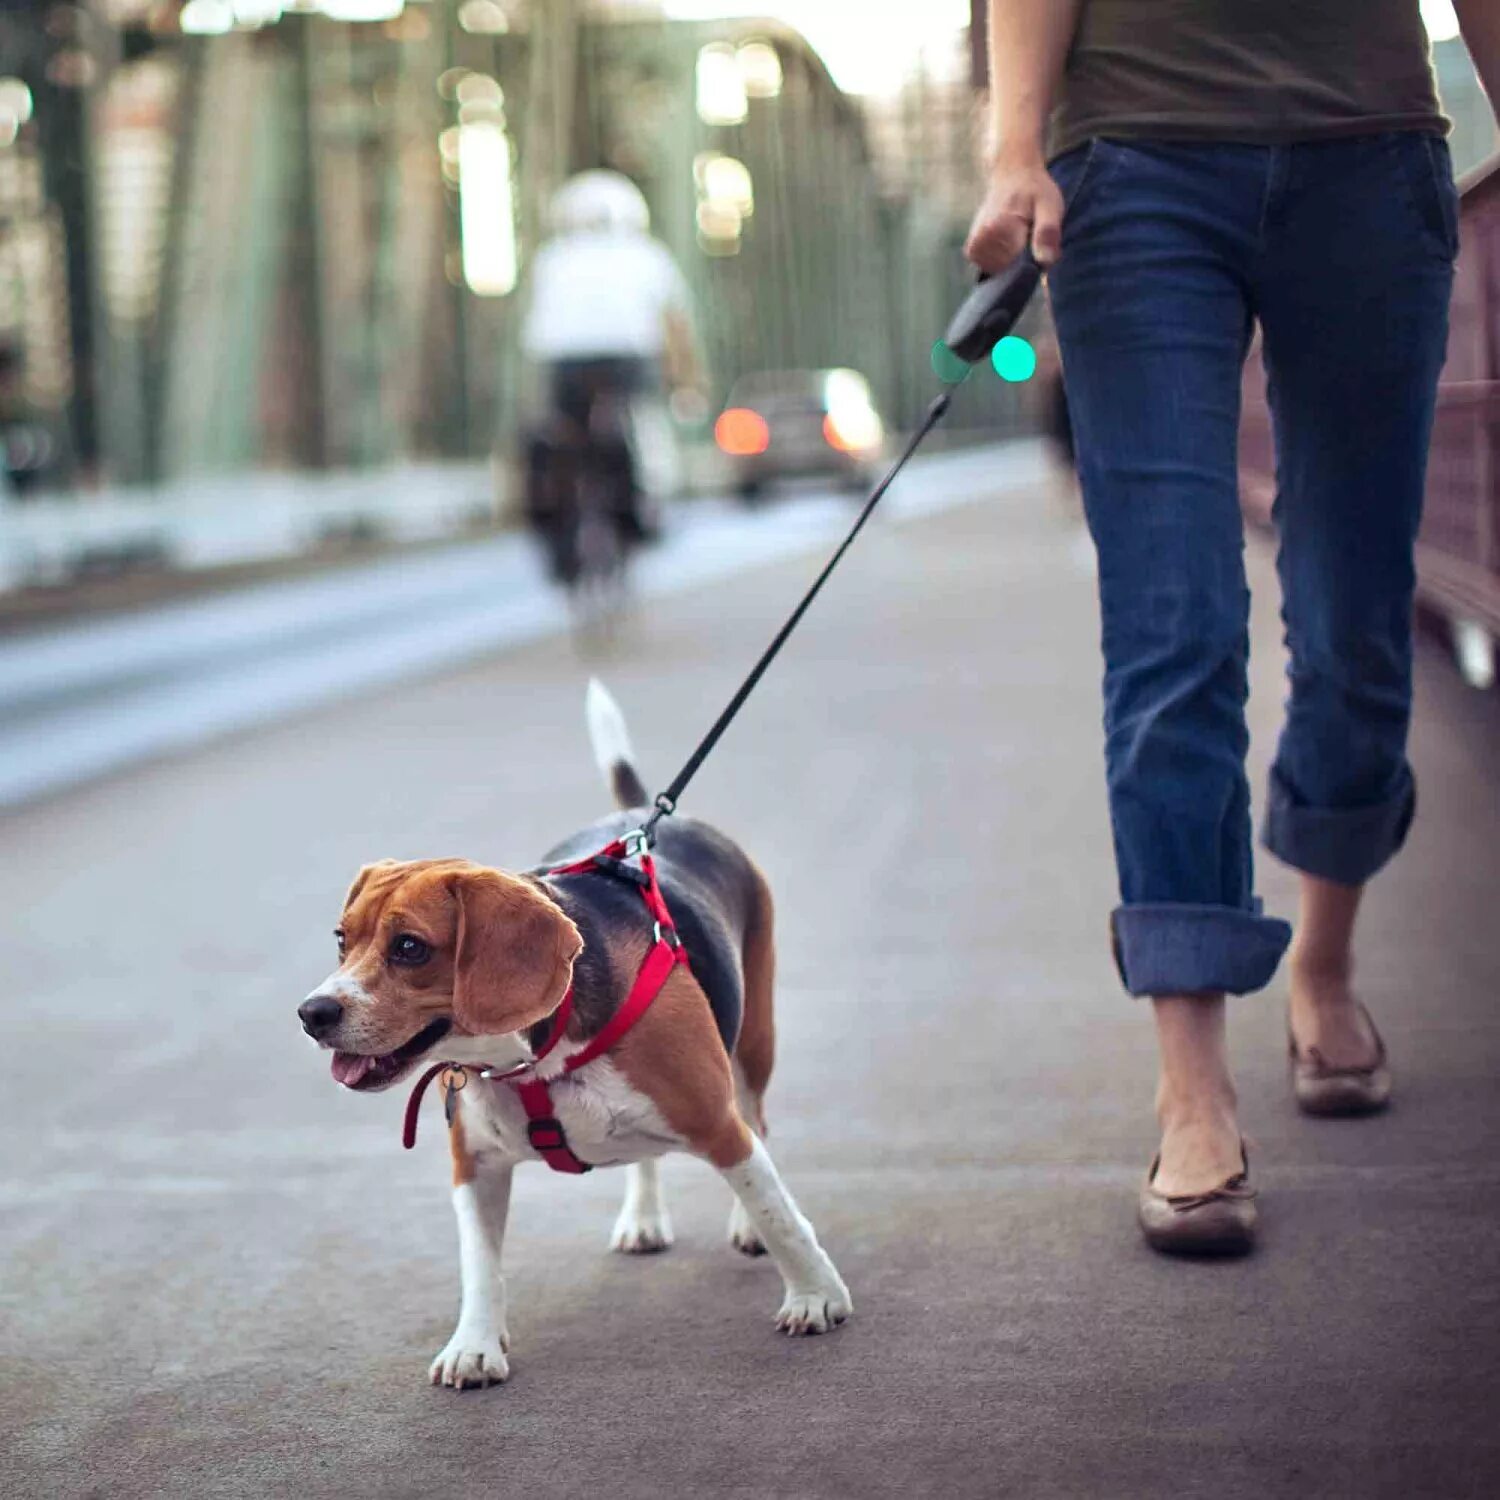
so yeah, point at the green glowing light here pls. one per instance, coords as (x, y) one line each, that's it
(947, 366)
(1014, 359)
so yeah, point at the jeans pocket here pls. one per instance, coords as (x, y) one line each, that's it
(1073, 171)
(1425, 170)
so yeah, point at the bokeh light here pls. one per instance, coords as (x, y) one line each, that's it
(947, 366)
(1014, 359)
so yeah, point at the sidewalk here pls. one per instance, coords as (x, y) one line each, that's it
(236, 520)
(224, 1278)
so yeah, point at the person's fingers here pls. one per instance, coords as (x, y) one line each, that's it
(996, 239)
(1046, 240)
(1046, 227)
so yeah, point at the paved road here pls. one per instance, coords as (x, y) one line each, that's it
(222, 1277)
(81, 700)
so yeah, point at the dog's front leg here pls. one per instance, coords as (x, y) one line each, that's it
(816, 1298)
(475, 1355)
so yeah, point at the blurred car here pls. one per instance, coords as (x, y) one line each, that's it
(793, 424)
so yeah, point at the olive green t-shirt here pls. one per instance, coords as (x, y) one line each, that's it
(1258, 71)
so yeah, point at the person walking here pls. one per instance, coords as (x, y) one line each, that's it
(1210, 167)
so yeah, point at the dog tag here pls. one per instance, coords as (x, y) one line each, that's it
(453, 1080)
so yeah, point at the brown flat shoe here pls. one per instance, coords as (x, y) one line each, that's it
(1320, 1089)
(1218, 1222)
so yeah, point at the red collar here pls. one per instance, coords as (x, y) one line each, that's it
(547, 1136)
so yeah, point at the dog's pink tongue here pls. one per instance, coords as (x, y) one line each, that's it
(349, 1068)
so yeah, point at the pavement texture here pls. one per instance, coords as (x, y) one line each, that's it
(115, 688)
(222, 1276)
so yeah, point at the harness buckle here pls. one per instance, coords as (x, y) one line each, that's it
(667, 935)
(635, 844)
(546, 1134)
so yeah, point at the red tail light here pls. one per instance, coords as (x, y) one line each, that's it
(742, 433)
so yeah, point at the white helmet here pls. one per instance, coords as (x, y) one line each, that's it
(599, 200)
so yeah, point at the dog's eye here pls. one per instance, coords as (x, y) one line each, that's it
(408, 949)
(338, 937)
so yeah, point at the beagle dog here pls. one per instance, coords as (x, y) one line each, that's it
(448, 961)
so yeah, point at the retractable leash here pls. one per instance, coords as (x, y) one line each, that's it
(986, 316)
(988, 313)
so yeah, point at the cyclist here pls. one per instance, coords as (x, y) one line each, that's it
(609, 321)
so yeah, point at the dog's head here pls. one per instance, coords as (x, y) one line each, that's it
(434, 952)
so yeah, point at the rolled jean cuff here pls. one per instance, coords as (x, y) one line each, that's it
(1173, 948)
(1343, 844)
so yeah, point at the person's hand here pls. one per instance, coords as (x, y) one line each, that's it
(1021, 203)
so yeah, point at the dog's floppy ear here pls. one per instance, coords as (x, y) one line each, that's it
(514, 956)
(363, 878)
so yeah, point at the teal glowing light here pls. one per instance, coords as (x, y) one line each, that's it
(947, 366)
(1014, 359)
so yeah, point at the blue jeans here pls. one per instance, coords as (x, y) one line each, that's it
(1343, 253)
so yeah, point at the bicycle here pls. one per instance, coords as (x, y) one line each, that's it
(583, 508)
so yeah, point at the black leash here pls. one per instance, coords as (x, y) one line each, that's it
(987, 315)
(666, 802)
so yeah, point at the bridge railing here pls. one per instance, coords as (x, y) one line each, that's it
(1458, 552)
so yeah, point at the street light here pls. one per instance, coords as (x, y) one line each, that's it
(15, 108)
(760, 67)
(362, 10)
(486, 208)
(206, 18)
(721, 86)
(483, 17)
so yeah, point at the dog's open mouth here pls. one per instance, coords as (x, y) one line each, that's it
(356, 1071)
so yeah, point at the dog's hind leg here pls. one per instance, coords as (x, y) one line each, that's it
(742, 1233)
(643, 1225)
(674, 1058)
(755, 1050)
(816, 1299)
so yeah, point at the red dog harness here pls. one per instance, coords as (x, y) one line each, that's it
(543, 1128)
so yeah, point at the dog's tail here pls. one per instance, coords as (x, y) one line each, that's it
(611, 742)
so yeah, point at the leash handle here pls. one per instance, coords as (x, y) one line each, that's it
(990, 311)
(666, 802)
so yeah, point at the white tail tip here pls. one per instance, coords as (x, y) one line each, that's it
(607, 731)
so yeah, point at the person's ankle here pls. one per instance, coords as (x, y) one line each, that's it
(1200, 1142)
(1320, 968)
(1320, 982)
(1324, 1014)
(1207, 1104)
(1195, 1098)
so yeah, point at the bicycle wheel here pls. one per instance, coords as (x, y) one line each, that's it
(600, 587)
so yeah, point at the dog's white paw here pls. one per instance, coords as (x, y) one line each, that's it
(471, 1360)
(818, 1311)
(742, 1233)
(641, 1231)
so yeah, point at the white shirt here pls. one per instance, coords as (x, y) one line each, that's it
(602, 293)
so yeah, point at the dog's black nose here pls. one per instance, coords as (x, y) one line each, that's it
(320, 1013)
